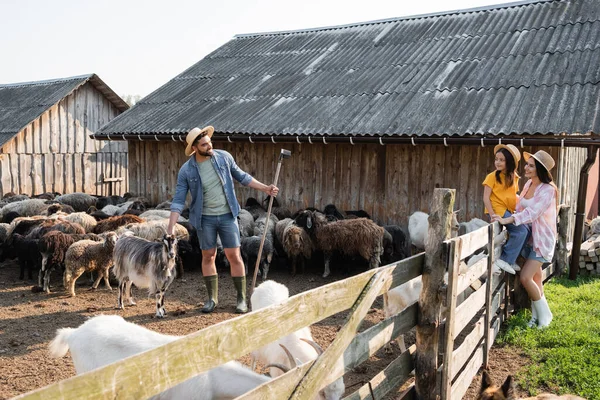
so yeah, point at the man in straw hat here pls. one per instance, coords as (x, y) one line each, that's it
(208, 176)
(537, 207)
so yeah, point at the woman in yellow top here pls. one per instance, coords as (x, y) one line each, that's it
(500, 199)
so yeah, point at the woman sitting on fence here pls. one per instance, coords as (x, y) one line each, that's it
(500, 198)
(537, 206)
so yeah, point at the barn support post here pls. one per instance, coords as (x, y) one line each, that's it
(562, 253)
(580, 214)
(427, 383)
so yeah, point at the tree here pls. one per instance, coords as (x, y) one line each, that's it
(131, 99)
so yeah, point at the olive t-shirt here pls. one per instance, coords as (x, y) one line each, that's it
(215, 202)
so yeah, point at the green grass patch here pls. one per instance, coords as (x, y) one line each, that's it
(566, 355)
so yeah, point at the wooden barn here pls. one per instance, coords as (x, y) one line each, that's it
(379, 114)
(44, 137)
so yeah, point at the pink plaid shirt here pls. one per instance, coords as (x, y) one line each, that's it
(542, 217)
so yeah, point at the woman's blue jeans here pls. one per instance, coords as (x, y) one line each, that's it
(517, 236)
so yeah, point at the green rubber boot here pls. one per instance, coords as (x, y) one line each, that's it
(240, 286)
(212, 287)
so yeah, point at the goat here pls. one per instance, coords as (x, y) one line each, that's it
(88, 255)
(418, 228)
(489, 391)
(106, 339)
(147, 265)
(359, 236)
(300, 343)
(472, 225)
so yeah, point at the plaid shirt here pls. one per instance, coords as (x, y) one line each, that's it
(542, 217)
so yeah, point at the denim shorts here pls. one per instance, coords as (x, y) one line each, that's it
(530, 254)
(226, 225)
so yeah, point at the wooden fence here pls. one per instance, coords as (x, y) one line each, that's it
(471, 324)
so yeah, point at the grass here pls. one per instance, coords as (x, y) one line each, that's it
(566, 355)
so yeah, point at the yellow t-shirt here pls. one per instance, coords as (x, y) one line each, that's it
(502, 198)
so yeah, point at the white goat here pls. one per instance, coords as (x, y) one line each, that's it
(297, 343)
(399, 298)
(418, 228)
(105, 339)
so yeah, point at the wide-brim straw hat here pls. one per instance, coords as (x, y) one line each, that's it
(543, 158)
(512, 149)
(193, 134)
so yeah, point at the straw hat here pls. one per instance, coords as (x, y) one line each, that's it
(512, 149)
(193, 134)
(543, 158)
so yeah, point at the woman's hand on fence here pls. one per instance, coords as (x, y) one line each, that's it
(503, 221)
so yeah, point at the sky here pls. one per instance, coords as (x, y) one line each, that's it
(136, 46)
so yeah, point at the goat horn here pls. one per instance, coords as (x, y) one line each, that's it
(293, 362)
(280, 366)
(314, 344)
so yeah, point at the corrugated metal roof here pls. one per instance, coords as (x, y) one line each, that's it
(21, 103)
(520, 68)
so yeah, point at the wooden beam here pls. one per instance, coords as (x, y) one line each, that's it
(488, 295)
(452, 294)
(430, 299)
(562, 253)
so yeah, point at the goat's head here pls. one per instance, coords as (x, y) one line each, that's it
(489, 391)
(170, 243)
(111, 239)
(138, 206)
(335, 390)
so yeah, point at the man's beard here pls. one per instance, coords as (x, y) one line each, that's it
(205, 153)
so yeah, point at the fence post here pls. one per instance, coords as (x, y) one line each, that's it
(430, 300)
(488, 295)
(562, 254)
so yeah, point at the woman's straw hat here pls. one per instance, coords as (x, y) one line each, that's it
(193, 134)
(512, 149)
(543, 158)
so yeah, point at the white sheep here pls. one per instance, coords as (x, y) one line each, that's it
(153, 215)
(117, 209)
(105, 339)
(82, 218)
(297, 343)
(154, 230)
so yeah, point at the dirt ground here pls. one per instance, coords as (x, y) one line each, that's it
(28, 322)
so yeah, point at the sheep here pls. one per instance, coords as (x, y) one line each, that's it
(25, 208)
(331, 210)
(147, 265)
(489, 391)
(53, 225)
(55, 208)
(28, 252)
(152, 215)
(350, 237)
(85, 220)
(418, 227)
(79, 201)
(388, 248)
(300, 343)
(10, 217)
(281, 212)
(116, 209)
(106, 339)
(88, 255)
(165, 205)
(114, 223)
(249, 250)
(278, 238)
(357, 214)
(261, 224)
(53, 248)
(103, 201)
(472, 225)
(154, 230)
(400, 242)
(298, 245)
(3, 238)
(254, 208)
(594, 228)
(246, 223)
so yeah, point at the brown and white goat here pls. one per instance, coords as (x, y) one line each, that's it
(146, 264)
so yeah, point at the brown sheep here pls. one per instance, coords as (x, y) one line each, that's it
(88, 255)
(113, 223)
(350, 237)
(55, 225)
(298, 245)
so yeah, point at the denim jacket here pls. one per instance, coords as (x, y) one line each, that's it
(188, 178)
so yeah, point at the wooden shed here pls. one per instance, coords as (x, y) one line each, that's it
(44, 138)
(378, 114)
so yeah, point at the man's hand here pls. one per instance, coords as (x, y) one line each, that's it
(271, 190)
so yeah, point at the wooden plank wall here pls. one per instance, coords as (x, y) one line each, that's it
(55, 153)
(389, 182)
